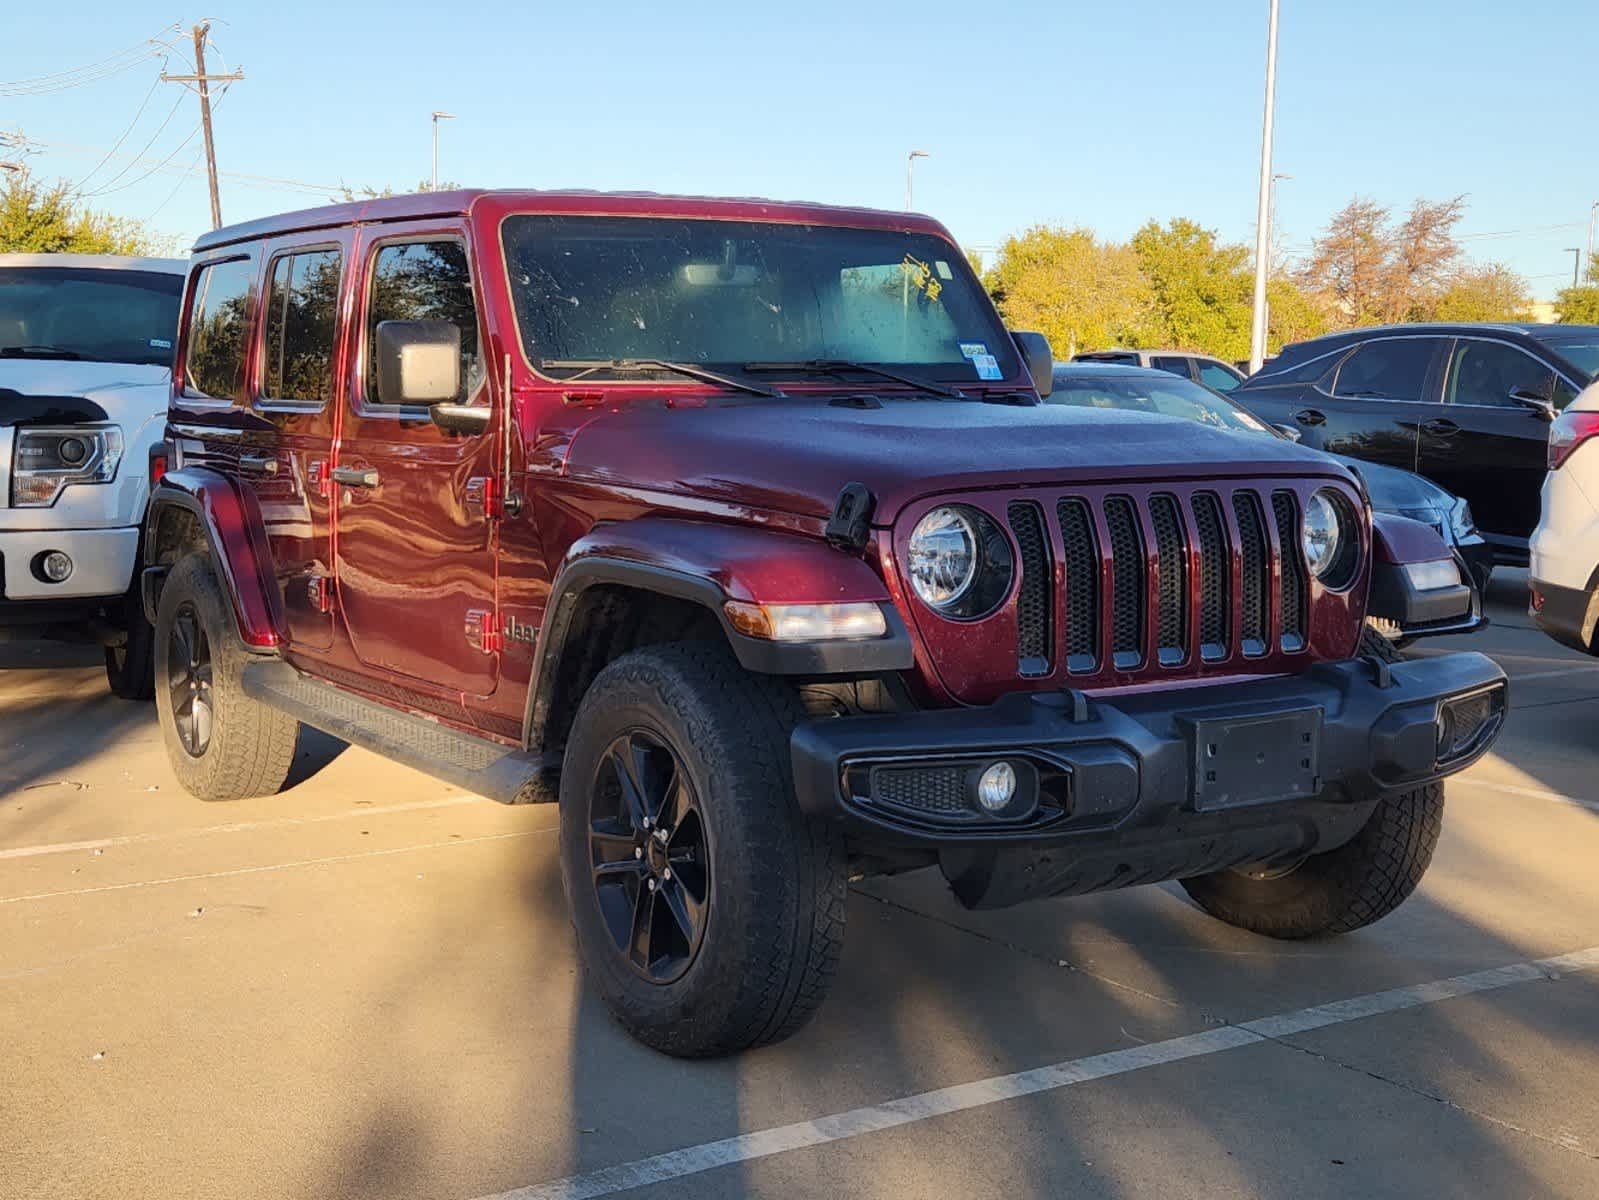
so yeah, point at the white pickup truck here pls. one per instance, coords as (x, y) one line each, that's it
(85, 364)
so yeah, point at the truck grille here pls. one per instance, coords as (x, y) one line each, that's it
(1156, 578)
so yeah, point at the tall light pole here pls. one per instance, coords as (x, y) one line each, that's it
(910, 173)
(1257, 324)
(437, 117)
(1576, 262)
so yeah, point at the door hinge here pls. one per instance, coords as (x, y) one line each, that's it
(319, 590)
(481, 634)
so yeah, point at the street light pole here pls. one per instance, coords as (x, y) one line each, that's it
(1576, 262)
(910, 173)
(1257, 324)
(437, 117)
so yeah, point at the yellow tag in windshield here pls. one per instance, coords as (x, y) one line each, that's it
(922, 276)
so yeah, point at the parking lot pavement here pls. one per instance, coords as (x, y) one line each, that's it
(365, 986)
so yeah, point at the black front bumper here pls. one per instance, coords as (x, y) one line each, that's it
(1153, 785)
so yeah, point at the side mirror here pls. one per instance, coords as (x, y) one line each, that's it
(1535, 401)
(1291, 432)
(1040, 362)
(460, 418)
(418, 362)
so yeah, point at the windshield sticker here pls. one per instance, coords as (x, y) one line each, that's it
(943, 270)
(987, 366)
(161, 343)
(973, 349)
(921, 276)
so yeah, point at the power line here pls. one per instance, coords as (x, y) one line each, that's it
(115, 64)
(77, 188)
(243, 178)
(109, 184)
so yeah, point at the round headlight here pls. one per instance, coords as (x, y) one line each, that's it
(943, 557)
(1327, 536)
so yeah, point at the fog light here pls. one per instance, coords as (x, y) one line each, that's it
(54, 567)
(996, 787)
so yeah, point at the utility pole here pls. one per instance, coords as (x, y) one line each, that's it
(1257, 324)
(1593, 212)
(1576, 262)
(203, 82)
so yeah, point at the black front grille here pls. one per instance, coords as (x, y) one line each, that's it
(1218, 590)
(1214, 565)
(1127, 580)
(1082, 585)
(1253, 618)
(1294, 599)
(1172, 619)
(1034, 598)
(921, 789)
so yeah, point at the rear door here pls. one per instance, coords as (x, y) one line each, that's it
(1176, 364)
(1372, 406)
(415, 543)
(1484, 445)
(295, 387)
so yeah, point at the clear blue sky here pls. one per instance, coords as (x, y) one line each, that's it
(1097, 114)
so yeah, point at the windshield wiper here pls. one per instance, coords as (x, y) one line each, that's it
(587, 366)
(837, 366)
(38, 352)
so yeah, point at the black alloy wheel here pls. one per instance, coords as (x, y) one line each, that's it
(649, 855)
(189, 677)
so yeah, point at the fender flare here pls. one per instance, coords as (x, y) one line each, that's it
(708, 565)
(234, 533)
(1398, 542)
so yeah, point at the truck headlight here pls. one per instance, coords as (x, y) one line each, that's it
(959, 562)
(1328, 534)
(46, 460)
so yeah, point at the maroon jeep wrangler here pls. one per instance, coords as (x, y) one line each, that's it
(743, 531)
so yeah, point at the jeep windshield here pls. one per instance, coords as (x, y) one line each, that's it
(69, 313)
(790, 301)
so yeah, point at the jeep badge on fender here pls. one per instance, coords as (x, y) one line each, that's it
(811, 580)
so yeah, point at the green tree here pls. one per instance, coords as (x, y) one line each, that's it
(1488, 293)
(1202, 290)
(1580, 305)
(1078, 291)
(40, 219)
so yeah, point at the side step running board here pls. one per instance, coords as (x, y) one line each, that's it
(474, 763)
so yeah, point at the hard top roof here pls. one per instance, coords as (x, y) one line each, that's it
(422, 205)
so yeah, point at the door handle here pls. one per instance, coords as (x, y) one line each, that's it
(361, 477)
(1441, 427)
(1310, 416)
(266, 464)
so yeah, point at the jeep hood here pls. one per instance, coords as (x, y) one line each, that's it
(793, 454)
(40, 391)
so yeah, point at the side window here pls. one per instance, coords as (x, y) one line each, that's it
(1177, 366)
(1214, 375)
(423, 281)
(1391, 369)
(218, 322)
(1485, 373)
(302, 311)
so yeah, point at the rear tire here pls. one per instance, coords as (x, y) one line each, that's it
(1342, 890)
(222, 744)
(737, 940)
(129, 668)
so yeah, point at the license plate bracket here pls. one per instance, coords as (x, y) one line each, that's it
(1254, 758)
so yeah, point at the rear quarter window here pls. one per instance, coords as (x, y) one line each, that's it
(219, 321)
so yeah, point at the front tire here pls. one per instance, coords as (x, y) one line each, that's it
(1339, 891)
(222, 744)
(709, 910)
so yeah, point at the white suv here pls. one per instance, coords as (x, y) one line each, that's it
(1565, 546)
(85, 365)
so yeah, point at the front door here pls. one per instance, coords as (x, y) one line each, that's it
(1486, 446)
(415, 542)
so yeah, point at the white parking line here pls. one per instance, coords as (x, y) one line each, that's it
(303, 862)
(764, 1143)
(133, 839)
(1511, 789)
